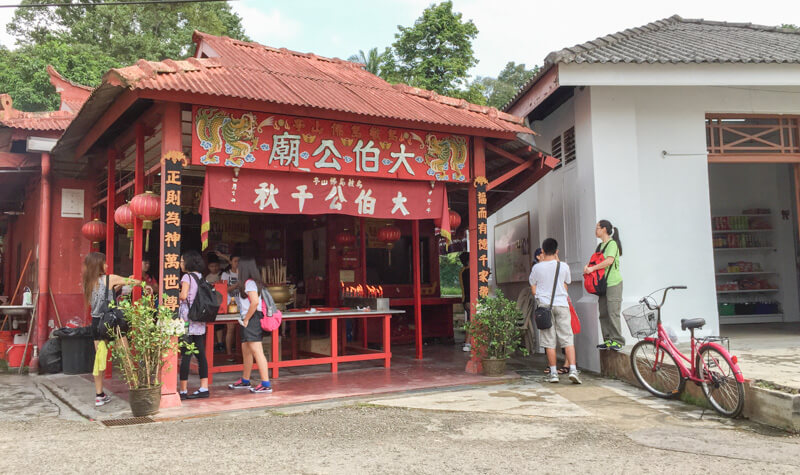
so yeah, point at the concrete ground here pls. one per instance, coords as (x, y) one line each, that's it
(521, 427)
(768, 352)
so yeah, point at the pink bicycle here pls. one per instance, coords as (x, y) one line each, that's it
(662, 369)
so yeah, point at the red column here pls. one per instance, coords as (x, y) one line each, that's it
(138, 187)
(44, 254)
(417, 286)
(111, 206)
(170, 141)
(478, 169)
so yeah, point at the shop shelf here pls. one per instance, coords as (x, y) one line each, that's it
(758, 291)
(760, 318)
(733, 274)
(743, 248)
(737, 231)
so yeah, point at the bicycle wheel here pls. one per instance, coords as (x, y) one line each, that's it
(720, 387)
(656, 370)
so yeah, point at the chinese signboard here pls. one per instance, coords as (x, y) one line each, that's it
(231, 138)
(171, 228)
(291, 193)
(482, 238)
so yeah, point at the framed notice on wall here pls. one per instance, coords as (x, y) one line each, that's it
(71, 203)
(512, 249)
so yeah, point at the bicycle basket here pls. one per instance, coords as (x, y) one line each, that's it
(642, 322)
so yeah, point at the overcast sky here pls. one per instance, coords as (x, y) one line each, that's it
(524, 31)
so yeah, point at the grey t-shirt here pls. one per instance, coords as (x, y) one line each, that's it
(99, 296)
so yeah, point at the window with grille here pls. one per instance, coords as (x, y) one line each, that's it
(555, 150)
(563, 147)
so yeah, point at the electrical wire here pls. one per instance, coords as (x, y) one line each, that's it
(111, 4)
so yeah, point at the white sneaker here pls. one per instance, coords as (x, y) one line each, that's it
(553, 378)
(573, 376)
(102, 400)
(467, 347)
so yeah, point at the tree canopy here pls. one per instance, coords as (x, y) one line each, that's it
(82, 43)
(435, 53)
(500, 90)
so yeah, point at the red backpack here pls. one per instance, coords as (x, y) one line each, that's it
(597, 282)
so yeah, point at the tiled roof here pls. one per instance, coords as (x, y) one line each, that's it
(44, 121)
(257, 72)
(679, 40)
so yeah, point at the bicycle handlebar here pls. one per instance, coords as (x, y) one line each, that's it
(646, 300)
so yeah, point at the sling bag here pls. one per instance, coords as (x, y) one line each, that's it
(110, 319)
(543, 315)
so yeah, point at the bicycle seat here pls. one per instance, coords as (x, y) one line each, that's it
(692, 323)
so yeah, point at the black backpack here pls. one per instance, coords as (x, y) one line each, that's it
(206, 303)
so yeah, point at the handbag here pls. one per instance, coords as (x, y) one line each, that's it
(544, 315)
(574, 320)
(271, 317)
(111, 319)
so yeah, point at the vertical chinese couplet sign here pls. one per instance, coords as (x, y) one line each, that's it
(171, 227)
(482, 237)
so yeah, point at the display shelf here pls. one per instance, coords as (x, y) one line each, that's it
(759, 318)
(757, 291)
(738, 231)
(743, 249)
(732, 274)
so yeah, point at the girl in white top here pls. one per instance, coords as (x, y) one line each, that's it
(248, 299)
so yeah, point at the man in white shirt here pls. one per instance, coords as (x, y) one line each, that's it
(542, 279)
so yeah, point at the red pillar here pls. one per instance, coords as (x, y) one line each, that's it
(417, 286)
(363, 237)
(44, 254)
(110, 208)
(170, 141)
(138, 187)
(478, 169)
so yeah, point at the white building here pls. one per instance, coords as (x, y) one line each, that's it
(637, 118)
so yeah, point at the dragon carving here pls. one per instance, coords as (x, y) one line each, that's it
(216, 129)
(448, 154)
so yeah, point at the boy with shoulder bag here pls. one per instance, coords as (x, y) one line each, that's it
(549, 279)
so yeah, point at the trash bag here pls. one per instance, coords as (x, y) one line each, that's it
(50, 357)
(80, 332)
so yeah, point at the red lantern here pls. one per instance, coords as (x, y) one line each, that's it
(389, 235)
(455, 221)
(94, 231)
(123, 216)
(147, 207)
(345, 238)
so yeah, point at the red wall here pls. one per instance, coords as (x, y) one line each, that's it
(68, 248)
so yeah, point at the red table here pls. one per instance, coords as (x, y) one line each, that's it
(291, 317)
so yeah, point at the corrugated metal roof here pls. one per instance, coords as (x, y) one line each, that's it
(678, 40)
(257, 72)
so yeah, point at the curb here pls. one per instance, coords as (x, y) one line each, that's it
(765, 406)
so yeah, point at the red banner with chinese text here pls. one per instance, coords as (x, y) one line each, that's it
(255, 140)
(291, 193)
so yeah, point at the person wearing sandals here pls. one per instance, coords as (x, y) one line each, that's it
(98, 290)
(610, 304)
(192, 264)
(549, 280)
(248, 298)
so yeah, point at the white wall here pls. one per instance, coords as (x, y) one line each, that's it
(661, 205)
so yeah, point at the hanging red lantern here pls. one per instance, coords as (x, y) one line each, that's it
(455, 221)
(345, 238)
(389, 235)
(147, 207)
(94, 231)
(124, 217)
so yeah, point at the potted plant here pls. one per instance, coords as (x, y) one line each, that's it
(495, 332)
(140, 354)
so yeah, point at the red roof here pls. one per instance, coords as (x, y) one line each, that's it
(14, 119)
(257, 72)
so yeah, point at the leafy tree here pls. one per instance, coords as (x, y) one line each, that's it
(372, 60)
(436, 52)
(500, 90)
(790, 26)
(102, 37)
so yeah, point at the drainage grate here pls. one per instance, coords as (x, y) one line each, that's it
(130, 421)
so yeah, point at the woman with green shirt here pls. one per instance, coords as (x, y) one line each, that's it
(610, 303)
